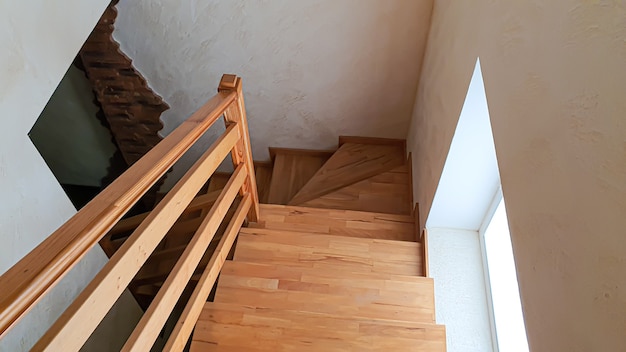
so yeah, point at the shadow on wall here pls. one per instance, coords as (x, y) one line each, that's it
(73, 142)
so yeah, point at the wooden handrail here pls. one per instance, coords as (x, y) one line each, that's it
(33, 276)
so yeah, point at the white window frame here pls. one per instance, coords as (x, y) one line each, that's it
(497, 198)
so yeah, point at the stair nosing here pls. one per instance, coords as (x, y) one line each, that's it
(409, 218)
(281, 232)
(239, 307)
(399, 277)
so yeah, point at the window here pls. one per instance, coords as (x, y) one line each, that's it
(507, 317)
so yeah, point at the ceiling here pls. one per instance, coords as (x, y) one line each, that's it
(312, 69)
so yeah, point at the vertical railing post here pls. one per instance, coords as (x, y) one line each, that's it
(242, 153)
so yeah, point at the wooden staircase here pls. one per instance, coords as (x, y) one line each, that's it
(299, 290)
(341, 271)
(334, 264)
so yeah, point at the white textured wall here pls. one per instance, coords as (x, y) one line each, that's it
(312, 69)
(456, 265)
(39, 40)
(555, 77)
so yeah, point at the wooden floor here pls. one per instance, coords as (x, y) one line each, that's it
(301, 288)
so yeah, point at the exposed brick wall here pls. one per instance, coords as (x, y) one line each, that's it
(131, 108)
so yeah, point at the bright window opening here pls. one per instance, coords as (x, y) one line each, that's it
(505, 298)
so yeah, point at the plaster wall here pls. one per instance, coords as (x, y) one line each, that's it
(312, 69)
(40, 39)
(456, 265)
(555, 76)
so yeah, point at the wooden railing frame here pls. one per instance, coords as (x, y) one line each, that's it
(154, 318)
(185, 324)
(32, 277)
(82, 317)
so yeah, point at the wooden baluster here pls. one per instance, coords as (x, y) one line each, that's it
(242, 153)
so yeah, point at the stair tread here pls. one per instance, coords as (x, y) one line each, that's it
(388, 192)
(350, 164)
(305, 238)
(364, 295)
(344, 214)
(325, 303)
(233, 327)
(326, 251)
(335, 282)
(304, 242)
(365, 280)
(348, 223)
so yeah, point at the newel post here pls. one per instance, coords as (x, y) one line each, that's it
(241, 153)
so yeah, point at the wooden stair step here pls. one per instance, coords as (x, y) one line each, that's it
(323, 303)
(325, 251)
(388, 192)
(334, 213)
(328, 262)
(383, 281)
(383, 250)
(350, 164)
(335, 282)
(337, 222)
(228, 327)
(263, 173)
(218, 181)
(160, 264)
(293, 168)
(362, 295)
